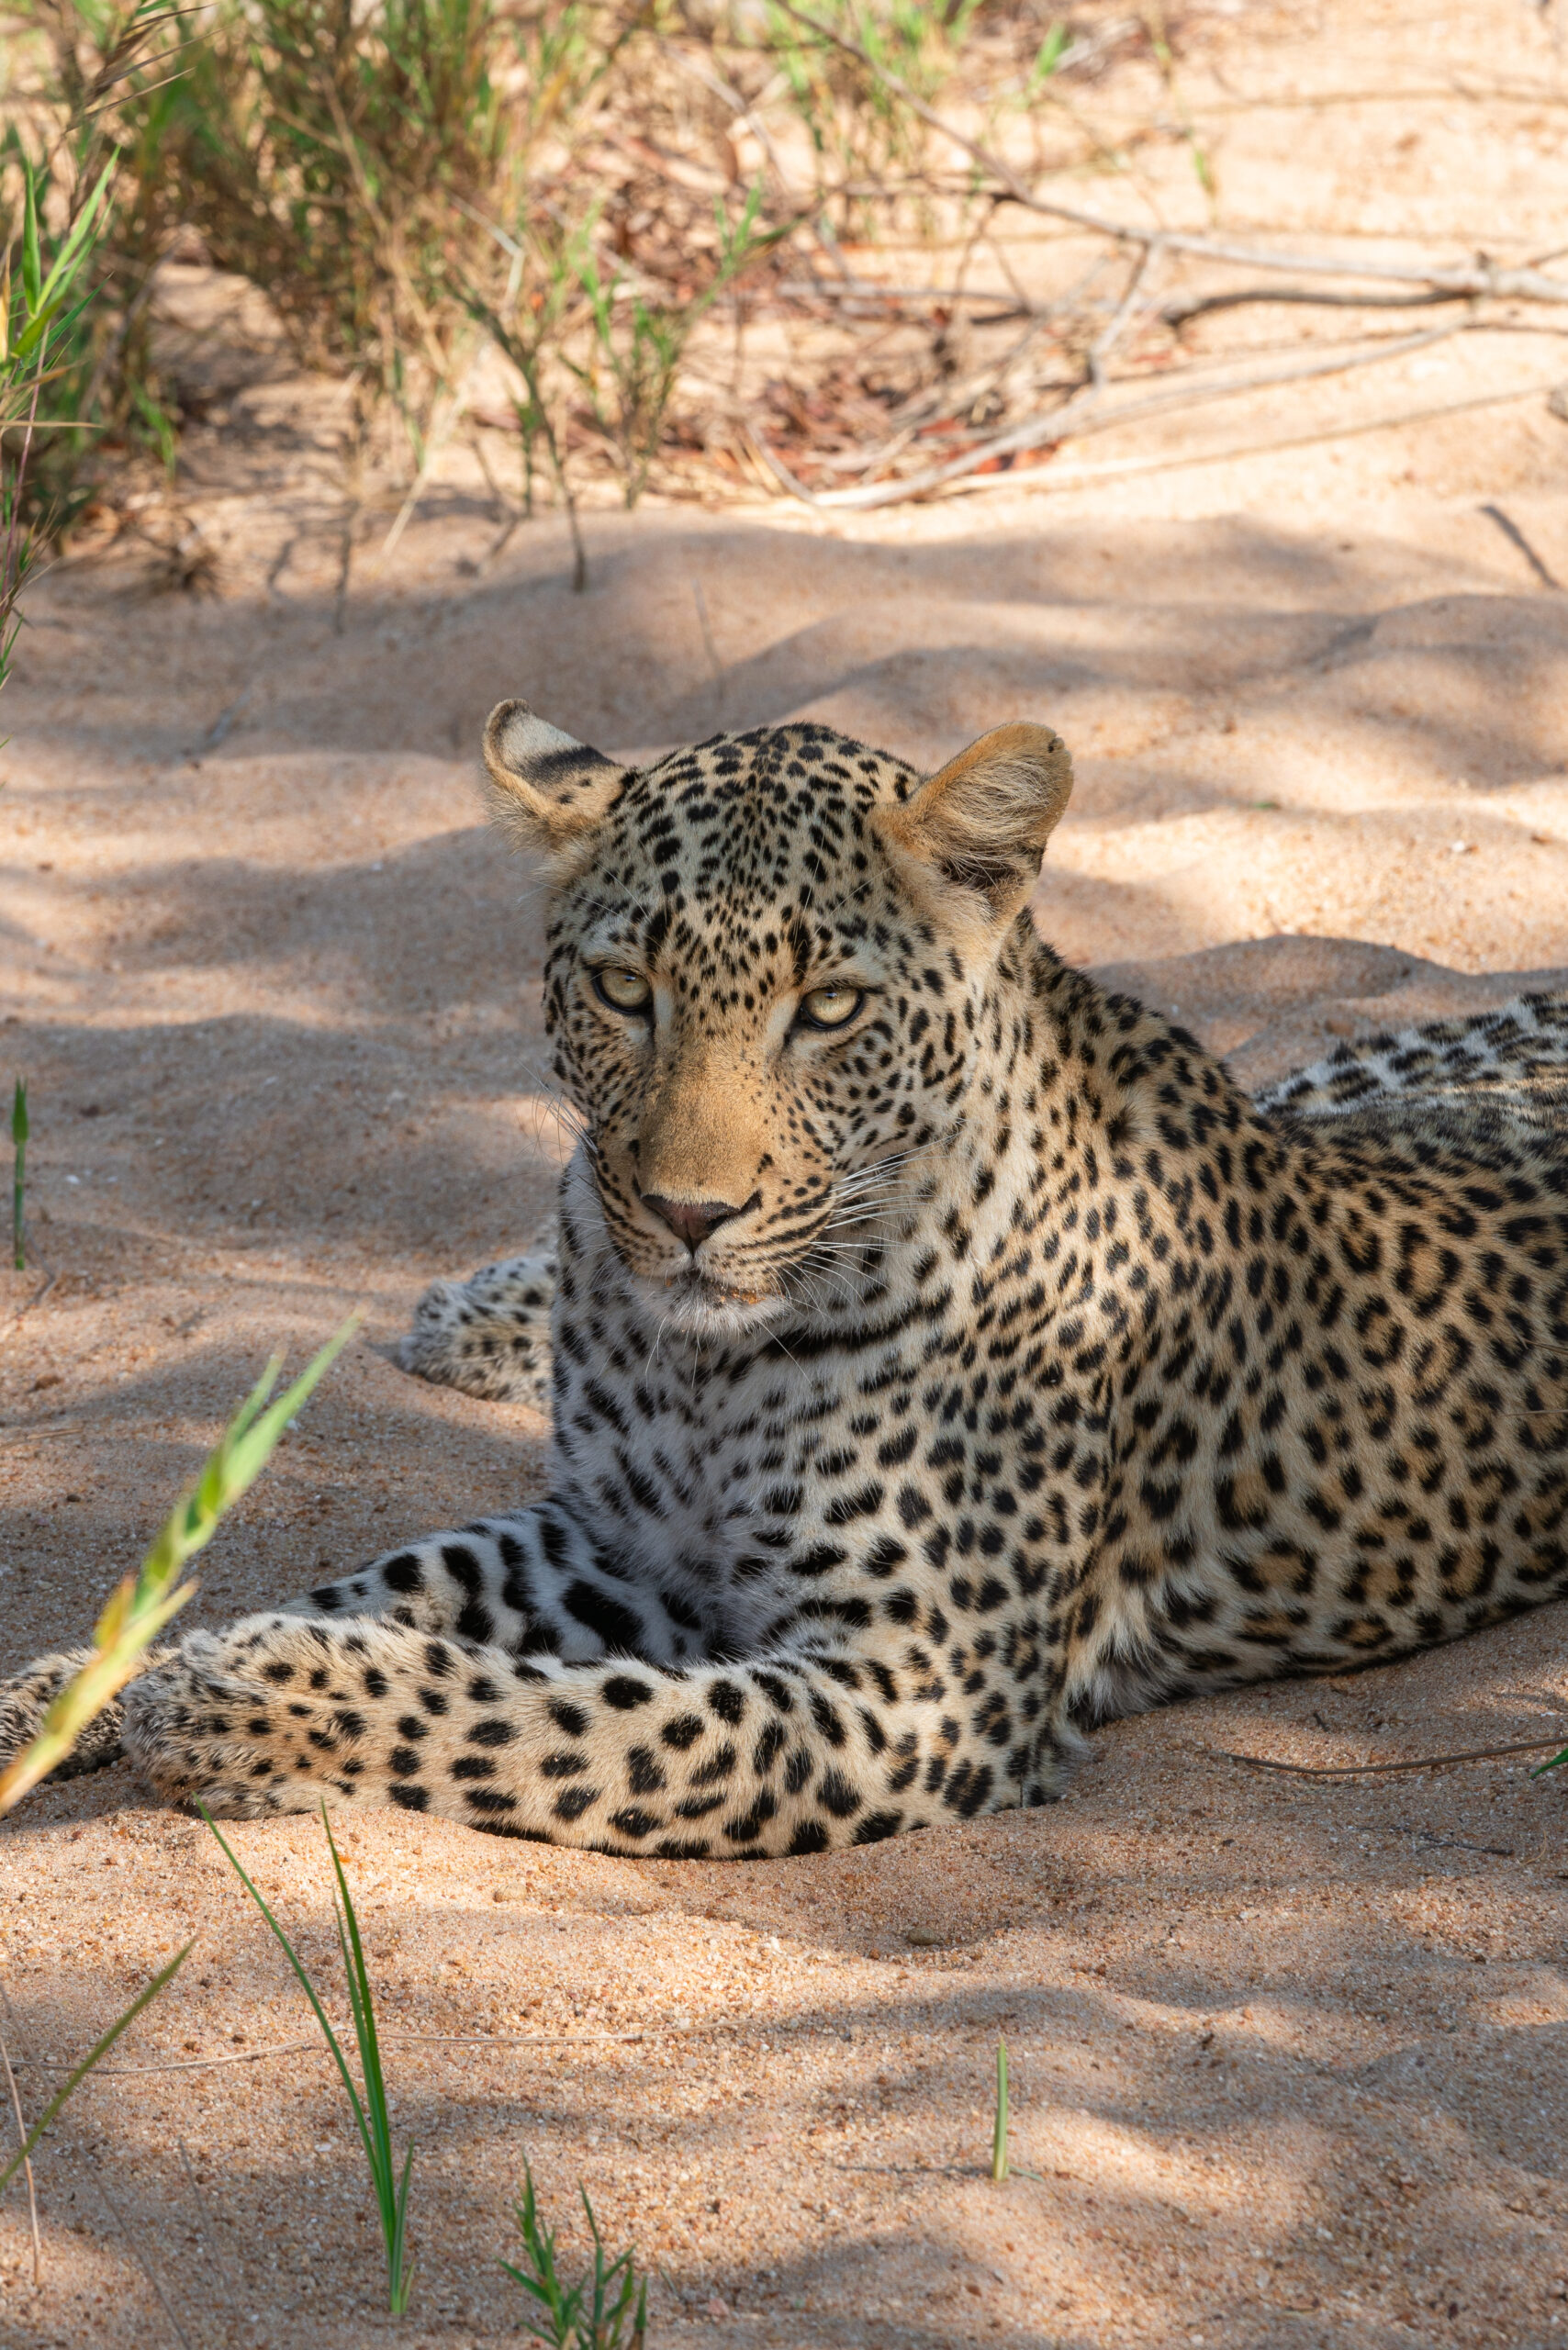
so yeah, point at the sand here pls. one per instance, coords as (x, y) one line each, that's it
(1290, 2058)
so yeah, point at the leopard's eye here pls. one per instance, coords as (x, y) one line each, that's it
(830, 1007)
(626, 991)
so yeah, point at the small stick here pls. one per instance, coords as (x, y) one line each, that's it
(1196, 306)
(1368, 1770)
(27, 2164)
(392, 2039)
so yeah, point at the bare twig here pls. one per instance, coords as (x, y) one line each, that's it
(1369, 1769)
(1126, 311)
(390, 2039)
(1185, 307)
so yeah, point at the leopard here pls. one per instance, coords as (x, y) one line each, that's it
(944, 1354)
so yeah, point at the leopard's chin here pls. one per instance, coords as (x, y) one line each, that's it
(699, 1305)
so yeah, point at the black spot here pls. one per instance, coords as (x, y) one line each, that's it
(634, 1824)
(412, 1798)
(563, 1766)
(463, 1567)
(726, 1701)
(717, 1767)
(810, 1836)
(747, 1830)
(574, 1802)
(375, 1681)
(776, 1691)
(403, 1761)
(616, 1626)
(684, 1731)
(826, 1720)
(403, 1574)
(492, 1733)
(473, 1766)
(835, 1794)
(573, 1720)
(876, 1826)
(622, 1692)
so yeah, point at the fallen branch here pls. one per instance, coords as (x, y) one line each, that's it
(1479, 278)
(1086, 477)
(1094, 409)
(1370, 1770)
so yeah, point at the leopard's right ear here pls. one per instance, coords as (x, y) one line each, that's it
(549, 793)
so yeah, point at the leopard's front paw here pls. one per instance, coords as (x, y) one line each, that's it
(24, 1700)
(219, 1724)
(489, 1335)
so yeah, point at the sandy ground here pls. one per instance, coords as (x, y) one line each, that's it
(1290, 2058)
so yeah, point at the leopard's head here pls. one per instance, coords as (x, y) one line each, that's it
(765, 961)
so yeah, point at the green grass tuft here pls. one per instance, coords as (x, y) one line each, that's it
(595, 2313)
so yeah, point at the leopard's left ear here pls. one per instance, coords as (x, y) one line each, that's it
(982, 824)
(549, 792)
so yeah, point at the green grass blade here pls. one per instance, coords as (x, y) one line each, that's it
(142, 1604)
(295, 1961)
(100, 2049)
(400, 2267)
(78, 245)
(19, 1131)
(32, 270)
(999, 2139)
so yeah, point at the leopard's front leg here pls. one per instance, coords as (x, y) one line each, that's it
(532, 1582)
(792, 1752)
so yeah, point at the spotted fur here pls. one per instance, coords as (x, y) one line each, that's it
(930, 1384)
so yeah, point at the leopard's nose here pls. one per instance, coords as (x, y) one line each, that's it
(694, 1220)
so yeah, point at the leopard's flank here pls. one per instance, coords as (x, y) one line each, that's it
(945, 1354)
